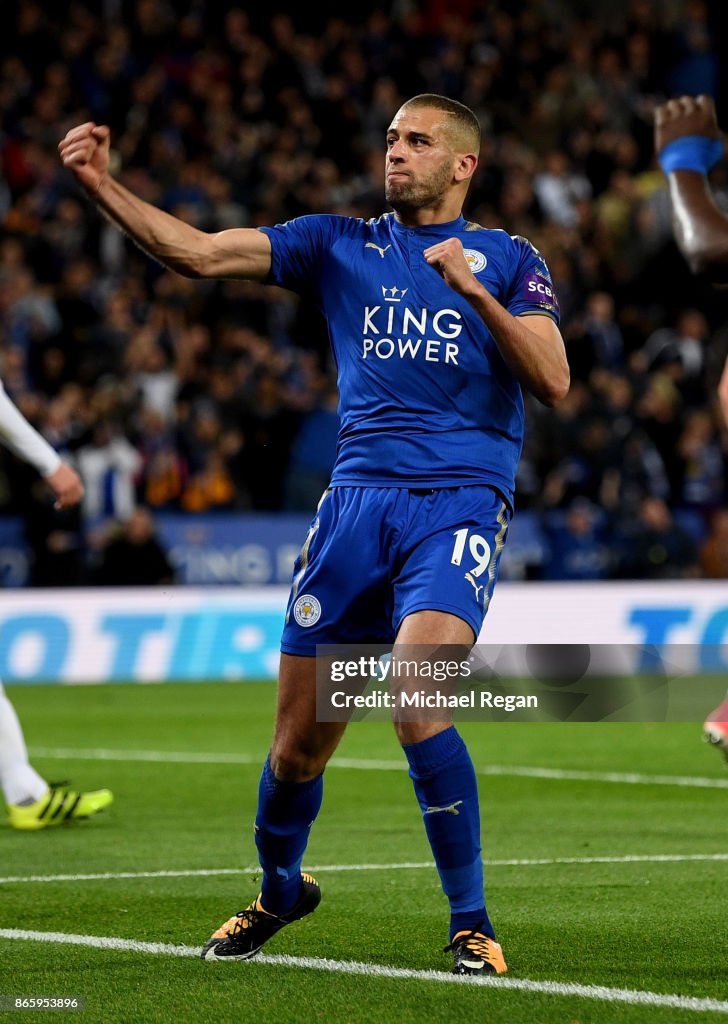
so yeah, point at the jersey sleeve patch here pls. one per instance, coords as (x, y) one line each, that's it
(537, 288)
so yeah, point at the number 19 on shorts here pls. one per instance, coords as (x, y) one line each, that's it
(478, 548)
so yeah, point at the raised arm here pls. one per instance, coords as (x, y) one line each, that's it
(239, 252)
(688, 143)
(532, 345)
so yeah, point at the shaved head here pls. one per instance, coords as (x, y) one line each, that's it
(462, 124)
(432, 154)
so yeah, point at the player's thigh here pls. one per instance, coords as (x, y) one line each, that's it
(433, 629)
(341, 591)
(301, 745)
(456, 537)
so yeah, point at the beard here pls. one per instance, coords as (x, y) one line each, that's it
(415, 193)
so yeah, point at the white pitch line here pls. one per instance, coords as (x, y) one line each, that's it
(623, 778)
(630, 858)
(155, 756)
(210, 872)
(367, 764)
(555, 988)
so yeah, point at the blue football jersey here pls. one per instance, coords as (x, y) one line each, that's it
(425, 398)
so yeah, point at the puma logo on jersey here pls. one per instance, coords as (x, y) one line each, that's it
(476, 588)
(380, 250)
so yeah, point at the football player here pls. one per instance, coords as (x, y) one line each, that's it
(436, 324)
(31, 802)
(689, 143)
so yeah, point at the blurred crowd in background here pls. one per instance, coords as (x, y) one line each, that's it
(197, 396)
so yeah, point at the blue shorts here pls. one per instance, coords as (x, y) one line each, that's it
(374, 555)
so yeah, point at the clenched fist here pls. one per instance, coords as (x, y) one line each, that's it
(85, 151)
(448, 259)
(688, 115)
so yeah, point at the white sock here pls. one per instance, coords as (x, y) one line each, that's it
(18, 780)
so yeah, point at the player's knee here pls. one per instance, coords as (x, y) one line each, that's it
(293, 763)
(415, 732)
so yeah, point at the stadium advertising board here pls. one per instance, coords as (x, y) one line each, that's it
(205, 634)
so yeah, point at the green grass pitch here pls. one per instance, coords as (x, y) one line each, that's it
(649, 925)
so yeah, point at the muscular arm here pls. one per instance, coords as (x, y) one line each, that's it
(531, 346)
(701, 229)
(242, 252)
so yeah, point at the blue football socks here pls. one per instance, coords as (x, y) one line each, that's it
(286, 812)
(446, 787)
